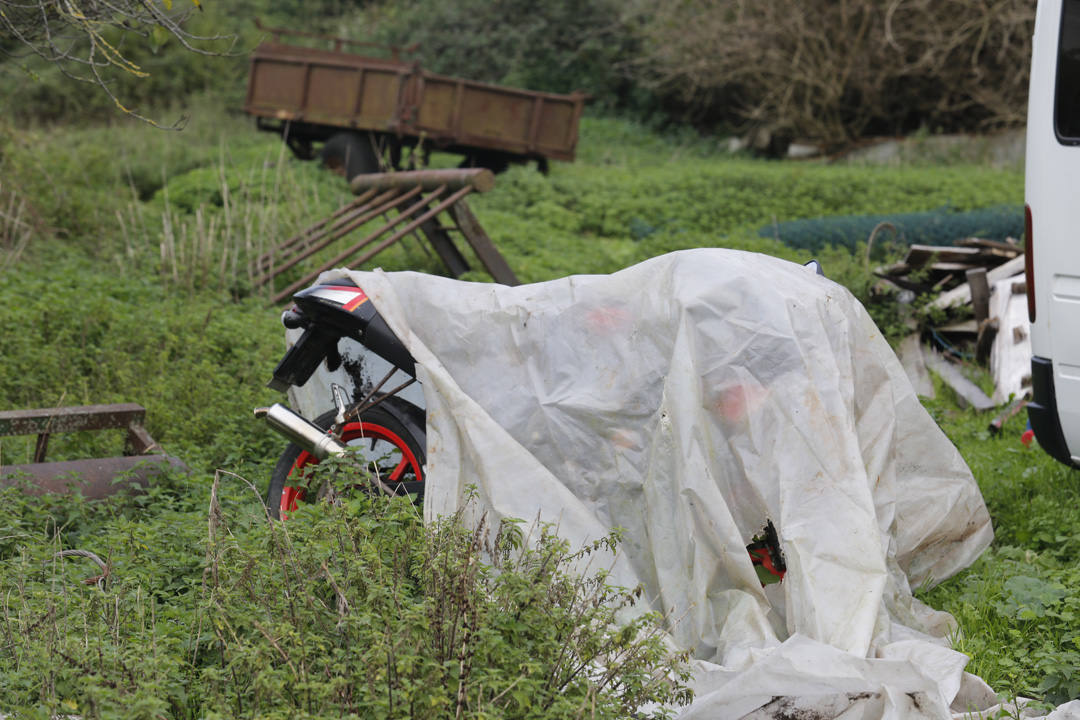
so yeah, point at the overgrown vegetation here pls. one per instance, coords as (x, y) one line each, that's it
(210, 609)
(152, 231)
(123, 262)
(1018, 605)
(832, 72)
(823, 71)
(558, 46)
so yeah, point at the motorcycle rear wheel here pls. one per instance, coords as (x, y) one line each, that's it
(396, 456)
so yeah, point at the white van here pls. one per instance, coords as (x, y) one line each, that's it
(1052, 252)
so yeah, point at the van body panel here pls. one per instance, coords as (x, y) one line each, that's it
(1067, 389)
(1052, 191)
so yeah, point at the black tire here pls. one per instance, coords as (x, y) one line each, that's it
(399, 418)
(349, 154)
(496, 162)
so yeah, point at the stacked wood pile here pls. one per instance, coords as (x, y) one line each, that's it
(928, 268)
(978, 315)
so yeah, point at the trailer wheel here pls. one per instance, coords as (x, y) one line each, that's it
(496, 162)
(349, 154)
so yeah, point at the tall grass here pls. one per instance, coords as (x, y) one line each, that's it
(212, 245)
(17, 226)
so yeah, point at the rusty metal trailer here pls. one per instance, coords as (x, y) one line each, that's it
(365, 109)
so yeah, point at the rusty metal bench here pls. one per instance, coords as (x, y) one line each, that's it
(93, 477)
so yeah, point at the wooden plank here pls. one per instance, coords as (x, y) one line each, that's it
(1005, 415)
(919, 255)
(967, 392)
(1010, 354)
(384, 203)
(444, 247)
(138, 441)
(311, 233)
(479, 179)
(961, 295)
(922, 255)
(70, 419)
(911, 358)
(303, 282)
(485, 249)
(341, 257)
(894, 269)
(980, 293)
(949, 267)
(988, 330)
(961, 326)
(444, 205)
(41, 447)
(1006, 249)
(945, 280)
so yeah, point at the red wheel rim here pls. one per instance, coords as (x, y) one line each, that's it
(356, 431)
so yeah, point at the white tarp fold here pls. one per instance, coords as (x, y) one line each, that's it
(690, 400)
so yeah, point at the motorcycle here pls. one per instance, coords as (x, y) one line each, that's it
(388, 431)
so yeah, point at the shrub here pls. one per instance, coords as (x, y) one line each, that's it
(833, 72)
(352, 608)
(555, 46)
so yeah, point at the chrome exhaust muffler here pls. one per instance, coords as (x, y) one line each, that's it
(301, 431)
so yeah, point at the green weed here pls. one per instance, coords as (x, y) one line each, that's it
(353, 608)
(88, 335)
(102, 314)
(1017, 606)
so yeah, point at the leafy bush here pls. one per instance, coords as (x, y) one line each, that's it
(353, 609)
(833, 72)
(555, 46)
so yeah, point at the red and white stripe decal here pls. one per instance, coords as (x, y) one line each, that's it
(349, 298)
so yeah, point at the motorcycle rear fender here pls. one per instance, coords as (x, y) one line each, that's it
(330, 312)
(301, 360)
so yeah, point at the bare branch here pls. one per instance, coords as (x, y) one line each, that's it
(76, 34)
(830, 72)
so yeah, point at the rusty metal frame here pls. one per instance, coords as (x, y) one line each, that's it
(410, 95)
(44, 422)
(94, 477)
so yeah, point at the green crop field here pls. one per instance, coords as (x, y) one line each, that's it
(125, 279)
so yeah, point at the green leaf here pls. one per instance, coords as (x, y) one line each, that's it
(158, 37)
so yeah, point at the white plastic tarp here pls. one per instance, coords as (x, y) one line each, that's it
(690, 400)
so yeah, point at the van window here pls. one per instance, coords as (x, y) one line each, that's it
(1067, 105)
